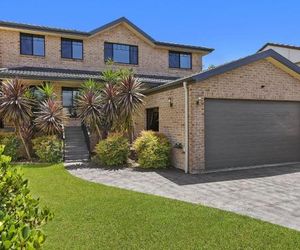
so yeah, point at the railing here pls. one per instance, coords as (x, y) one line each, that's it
(63, 137)
(87, 134)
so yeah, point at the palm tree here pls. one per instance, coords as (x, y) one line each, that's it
(16, 107)
(49, 117)
(46, 91)
(109, 104)
(89, 107)
(91, 85)
(129, 101)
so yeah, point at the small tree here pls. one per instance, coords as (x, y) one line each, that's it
(47, 91)
(16, 107)
(49, 117)
(89, 105)
(129, 101)
(112, 105)
(49, 112)
(109, 104)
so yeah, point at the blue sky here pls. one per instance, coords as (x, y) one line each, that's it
(234, 28)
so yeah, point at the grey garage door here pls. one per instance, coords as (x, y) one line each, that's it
(241, 133)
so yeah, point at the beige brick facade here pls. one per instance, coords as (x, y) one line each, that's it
(171, 119)
(242, 83)
(153, 60)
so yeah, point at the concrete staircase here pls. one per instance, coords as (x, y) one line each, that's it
(76, 149)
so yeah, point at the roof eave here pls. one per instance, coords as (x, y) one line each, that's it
(10, 25)
(228, 67)
(36, 28)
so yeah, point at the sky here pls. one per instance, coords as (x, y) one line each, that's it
(233, 28)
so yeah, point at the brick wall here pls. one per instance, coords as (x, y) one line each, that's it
(171, 119)
(151, 60)
(242, 83)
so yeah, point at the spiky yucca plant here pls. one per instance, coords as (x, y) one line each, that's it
(47, 91)
(16, 107)
(91, 85)
(49, 117)
(89, 108)
(109, 103)
(129, 101)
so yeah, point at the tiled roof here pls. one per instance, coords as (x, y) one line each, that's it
(101, 28)
(70, 74)
(289, 46)
(227, 67)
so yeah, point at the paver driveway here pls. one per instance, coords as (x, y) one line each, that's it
(270, 194)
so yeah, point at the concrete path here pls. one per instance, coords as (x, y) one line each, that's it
(270, 194)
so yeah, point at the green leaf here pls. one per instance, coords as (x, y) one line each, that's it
(26, 232)
(7, 244)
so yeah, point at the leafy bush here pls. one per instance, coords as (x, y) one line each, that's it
(21, 217)
(153, 150)
(48, 148)
(113, 151)
(12, 145)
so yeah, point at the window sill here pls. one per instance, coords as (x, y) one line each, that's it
(71, 59)
(190, 69)
(34, 56)
(124, 64)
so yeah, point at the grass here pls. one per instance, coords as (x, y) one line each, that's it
(94, 216)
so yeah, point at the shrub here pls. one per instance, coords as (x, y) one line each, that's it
(48, 148)
(21, 217)
(153, 150)
(12, 145)
(113, 151)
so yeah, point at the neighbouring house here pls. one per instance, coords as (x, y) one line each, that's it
(240, 114)
(291, 52)
(36, 54)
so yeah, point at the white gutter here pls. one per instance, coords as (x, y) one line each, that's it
(186, 128)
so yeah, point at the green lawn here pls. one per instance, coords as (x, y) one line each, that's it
(93, 216)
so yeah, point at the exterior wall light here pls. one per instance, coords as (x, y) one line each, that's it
(170, 102)
(198, 100)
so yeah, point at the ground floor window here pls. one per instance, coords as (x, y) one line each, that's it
(152, 119)
(69, 96)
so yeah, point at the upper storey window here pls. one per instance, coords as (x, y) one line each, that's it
(121, 53)
(180, 60)
(71, 49)
(32, 44)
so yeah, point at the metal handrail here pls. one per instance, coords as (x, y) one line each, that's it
(87, 136)
(63, 137)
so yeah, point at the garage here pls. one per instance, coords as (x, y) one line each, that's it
(240, 114)
(241, 133)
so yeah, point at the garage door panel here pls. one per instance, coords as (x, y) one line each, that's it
(243, 133)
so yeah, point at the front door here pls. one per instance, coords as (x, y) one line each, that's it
(69, 100)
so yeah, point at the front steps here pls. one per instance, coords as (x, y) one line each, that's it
(76, 149)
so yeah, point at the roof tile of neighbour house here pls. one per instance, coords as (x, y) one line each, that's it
(229, 66)
(97, 30)
(289, 46)
(70, 74)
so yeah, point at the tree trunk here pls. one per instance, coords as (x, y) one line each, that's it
(104, 134)
(98, 131)
(25, 145)
(130, 130)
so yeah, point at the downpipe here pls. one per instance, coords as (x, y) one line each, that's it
(186, 128)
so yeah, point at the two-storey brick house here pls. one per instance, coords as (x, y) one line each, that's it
(67, 57)
(240, 114)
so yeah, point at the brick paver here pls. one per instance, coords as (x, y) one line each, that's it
(270, 194)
